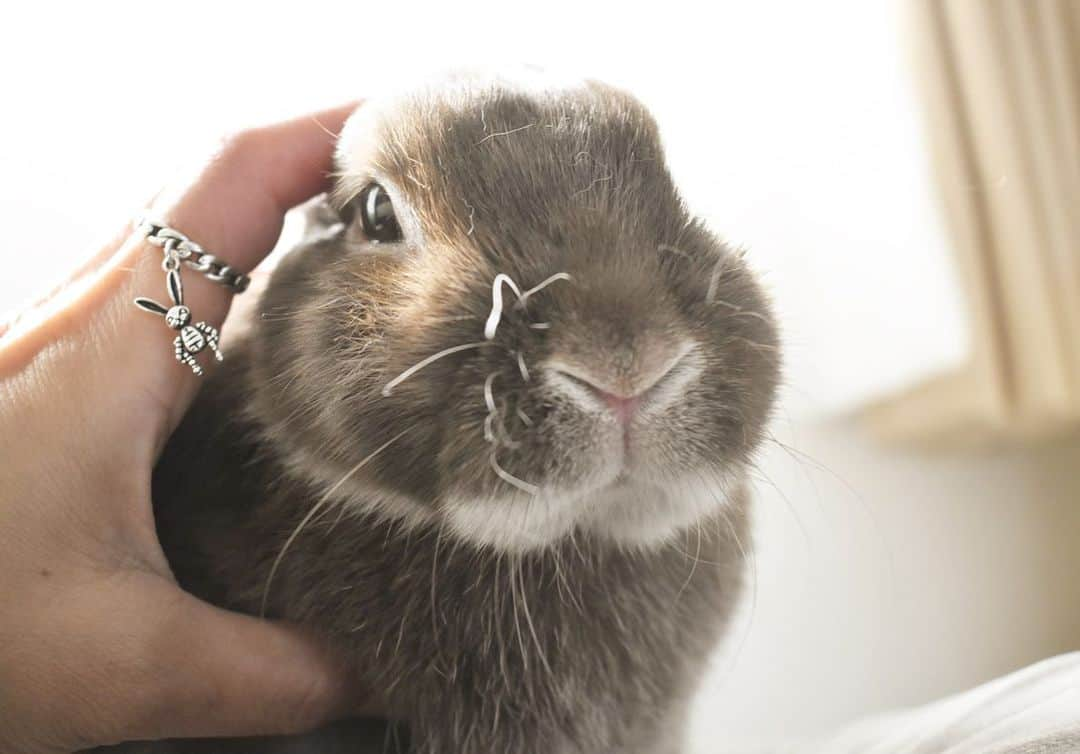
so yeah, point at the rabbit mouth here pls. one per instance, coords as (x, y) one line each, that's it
(628, 511)
(623, 463)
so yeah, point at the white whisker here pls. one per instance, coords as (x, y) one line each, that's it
(540, 286)
(524, 418)
(532, 628)
(315, 509)
(497, 303)
(490, 425)
(505, 133)
(540, 325)
(521, 367)
(489, 394)
(421, 364)
(472, 219)
(693, 568)
(506, 439)
(497, 299)
(509, 478)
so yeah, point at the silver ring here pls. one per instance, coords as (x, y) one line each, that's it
(177, 248)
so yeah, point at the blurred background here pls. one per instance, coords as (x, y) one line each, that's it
(902, 175)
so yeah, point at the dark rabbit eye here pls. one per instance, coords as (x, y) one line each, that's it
(377, 214)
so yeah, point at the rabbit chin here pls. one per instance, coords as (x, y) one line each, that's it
(629, 512)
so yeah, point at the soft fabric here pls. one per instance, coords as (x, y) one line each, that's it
(1035, 710)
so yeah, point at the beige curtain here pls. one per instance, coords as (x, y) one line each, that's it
(1001, 80)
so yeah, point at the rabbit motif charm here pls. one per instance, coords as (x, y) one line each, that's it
(193, 338)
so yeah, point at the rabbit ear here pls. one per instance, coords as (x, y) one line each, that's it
(176, 290)
(150, 306)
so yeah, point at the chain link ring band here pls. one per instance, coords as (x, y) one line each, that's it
(179, 248)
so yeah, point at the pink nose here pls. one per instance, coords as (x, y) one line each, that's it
(622, 390)
(623, 407)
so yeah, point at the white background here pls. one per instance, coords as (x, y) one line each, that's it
(881, 579)
(790, 126)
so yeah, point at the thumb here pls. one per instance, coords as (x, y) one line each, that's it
(223, 674)
(233, 208)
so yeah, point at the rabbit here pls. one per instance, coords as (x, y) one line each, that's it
(489, 430)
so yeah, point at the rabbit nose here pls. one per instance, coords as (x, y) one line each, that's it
(621, 406)
(620, 383)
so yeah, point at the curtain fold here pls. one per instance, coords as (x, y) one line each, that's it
(1001, 83)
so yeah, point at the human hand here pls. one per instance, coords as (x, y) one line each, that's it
(98, 644)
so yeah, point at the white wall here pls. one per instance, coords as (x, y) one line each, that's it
(889, 579)
(790, 125)
(793, 127)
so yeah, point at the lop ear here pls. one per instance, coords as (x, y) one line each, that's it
(176, 290)
(150, 306)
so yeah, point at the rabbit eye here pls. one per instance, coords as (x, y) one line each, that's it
(377, 214)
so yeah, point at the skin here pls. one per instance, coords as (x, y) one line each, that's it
(98, 644)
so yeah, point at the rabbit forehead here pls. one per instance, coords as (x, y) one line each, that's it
(409, 115)
(506, 146)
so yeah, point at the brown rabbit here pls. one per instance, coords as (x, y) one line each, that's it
(489, 431)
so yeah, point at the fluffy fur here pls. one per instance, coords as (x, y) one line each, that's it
(492, 619)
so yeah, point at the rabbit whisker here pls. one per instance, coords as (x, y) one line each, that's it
(509, 478)
(497, 303)
(315, 509)
(489, 395)
(544, 284)
(497, 298)
(424, 362)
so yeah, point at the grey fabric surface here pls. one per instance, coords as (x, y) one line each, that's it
(1064, 742)
(1035, 710)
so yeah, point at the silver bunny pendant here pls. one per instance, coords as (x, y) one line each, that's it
(193, 338)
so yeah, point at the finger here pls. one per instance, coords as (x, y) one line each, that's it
(235, 202)
(129, 656)
(233, 206)
(225, 674)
